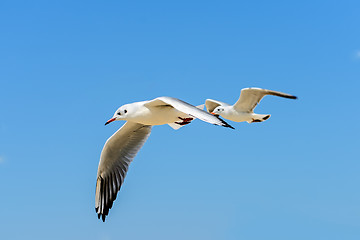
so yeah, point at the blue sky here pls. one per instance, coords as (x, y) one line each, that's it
(67, 66)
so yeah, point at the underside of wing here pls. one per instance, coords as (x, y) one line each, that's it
(212, 104)
(188, 109)
(250, 97)
(186, 119)
(116, 156)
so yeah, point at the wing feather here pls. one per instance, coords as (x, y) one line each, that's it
(250, 97)
(188, 109)
(116, 156)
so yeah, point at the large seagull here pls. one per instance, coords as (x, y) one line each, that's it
(121, 148)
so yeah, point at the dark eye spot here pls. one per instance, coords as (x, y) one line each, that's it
(118, 113)
(125, 111)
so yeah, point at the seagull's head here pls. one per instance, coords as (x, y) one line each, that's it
(218, 110)
(120, 114)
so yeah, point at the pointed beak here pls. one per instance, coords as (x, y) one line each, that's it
(110, 120)
(213, 113)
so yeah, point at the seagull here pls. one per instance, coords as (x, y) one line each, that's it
(243, 109)
(121, 148)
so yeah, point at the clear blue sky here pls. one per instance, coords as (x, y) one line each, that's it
(66, 66)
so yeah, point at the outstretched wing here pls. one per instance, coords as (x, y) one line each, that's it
(116, 156)
(212, 104)
(187, 109)
(250, 97)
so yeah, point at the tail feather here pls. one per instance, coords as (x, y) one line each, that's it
(259, 118)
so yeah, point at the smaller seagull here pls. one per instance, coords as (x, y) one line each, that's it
(243, 109)
(120, 149)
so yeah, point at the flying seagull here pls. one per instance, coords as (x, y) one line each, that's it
(121, 148)
(243, 109)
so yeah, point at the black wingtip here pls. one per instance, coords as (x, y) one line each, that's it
(225, 124)
(229, 126)
(290, 96)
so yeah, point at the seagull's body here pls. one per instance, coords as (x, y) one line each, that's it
(145, 114)
(121, 148)
(243, 109)
(239, 116)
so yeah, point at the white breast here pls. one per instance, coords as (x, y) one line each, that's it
(156, 115)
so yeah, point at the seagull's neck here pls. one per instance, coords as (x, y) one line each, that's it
(136, 110)
(228, 110)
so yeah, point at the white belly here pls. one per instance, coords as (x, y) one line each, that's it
(239, 117)
(245, 117)
(157, 116)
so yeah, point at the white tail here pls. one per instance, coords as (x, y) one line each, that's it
(259, 118)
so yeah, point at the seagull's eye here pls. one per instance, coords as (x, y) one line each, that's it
(125, 111)
(118, 113)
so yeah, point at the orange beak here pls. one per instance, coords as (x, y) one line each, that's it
(110, 120)
(213, 113)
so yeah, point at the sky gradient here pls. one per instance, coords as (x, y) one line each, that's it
(67, 66)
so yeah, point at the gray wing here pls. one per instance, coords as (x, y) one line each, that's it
(212, 104)
(250, 97)
(188, 109)
(116, 156)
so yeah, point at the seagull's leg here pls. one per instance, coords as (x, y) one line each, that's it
(256, 120)
(184, 121)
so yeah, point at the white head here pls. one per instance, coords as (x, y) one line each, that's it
(218, 110)
(120, 114)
